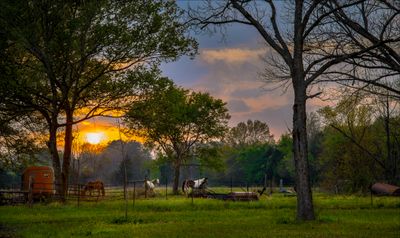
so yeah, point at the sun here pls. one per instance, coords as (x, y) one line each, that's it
(94, 137)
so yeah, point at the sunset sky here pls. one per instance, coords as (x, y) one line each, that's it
(229, 68)
(100, 130)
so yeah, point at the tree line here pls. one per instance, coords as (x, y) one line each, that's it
(352, 145)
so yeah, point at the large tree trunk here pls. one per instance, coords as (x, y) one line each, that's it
(175, 187)
(305, 209)
(52, 145)
(67, 150)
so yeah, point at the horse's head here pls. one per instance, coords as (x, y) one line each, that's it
(156, 182)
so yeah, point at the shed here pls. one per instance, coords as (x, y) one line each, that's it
(385, 189)
(42, 178)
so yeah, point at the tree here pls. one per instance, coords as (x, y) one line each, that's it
(258, 161)
(303, 51)
(370, 126)
(369, 23)
(286, 168)
(174, 120)
(250, 151)
(137, 161)
(349, 121)
(17, 145)
(72, 60)
(315, 137)
(387, 123)
(246, 133)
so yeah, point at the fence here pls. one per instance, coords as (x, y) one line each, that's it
(49, 192)
(77, 193)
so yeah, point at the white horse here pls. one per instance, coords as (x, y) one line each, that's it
(151, 185)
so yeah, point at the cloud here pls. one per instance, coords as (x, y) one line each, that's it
(232, 55)
(237, 106)
(246, 93)
(233, 75)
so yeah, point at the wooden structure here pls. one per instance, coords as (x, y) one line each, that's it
(235, 196)
(232, 196)
(242, 196)
(39, 180)
(385, 189)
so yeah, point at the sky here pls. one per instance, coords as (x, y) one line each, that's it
(229, 67)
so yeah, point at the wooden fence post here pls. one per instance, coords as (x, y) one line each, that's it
(166, 188)
(372, 203)
(79, 193)
(145, 188)
(231, 183)
(30, 192)
(134, 194)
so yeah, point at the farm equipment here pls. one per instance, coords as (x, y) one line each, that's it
(232, 196)
(37, 184)
(39, 181)
(385, 189)
(235, 196)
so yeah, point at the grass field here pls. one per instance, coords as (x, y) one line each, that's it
(338, 216)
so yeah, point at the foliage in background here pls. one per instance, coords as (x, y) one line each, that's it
(249, 133)
(176, 121)
(357, 147)
(250, 155)
(107, 163)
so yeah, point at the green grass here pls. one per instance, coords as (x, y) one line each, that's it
(337, 216)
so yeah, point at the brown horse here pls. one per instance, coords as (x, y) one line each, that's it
(94, 185)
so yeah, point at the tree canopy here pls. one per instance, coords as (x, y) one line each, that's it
(71, 60)
(174, 120)
(250, 132)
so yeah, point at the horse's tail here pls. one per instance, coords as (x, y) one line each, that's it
(184, 185)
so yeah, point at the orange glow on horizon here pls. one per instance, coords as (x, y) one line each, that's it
(99, 133)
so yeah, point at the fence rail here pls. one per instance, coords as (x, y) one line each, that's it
(49, 192)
